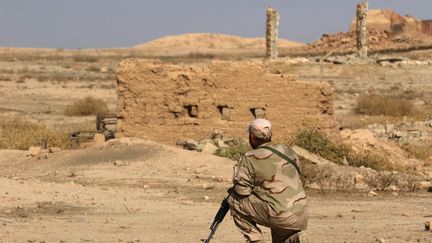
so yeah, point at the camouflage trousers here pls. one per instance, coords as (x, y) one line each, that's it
(250, 211)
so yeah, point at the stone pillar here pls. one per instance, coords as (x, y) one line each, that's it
(272, 33)
(362, 11)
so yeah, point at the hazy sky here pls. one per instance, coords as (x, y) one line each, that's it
(121, 23)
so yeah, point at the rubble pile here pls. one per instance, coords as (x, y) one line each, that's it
(386, 30)
(207, 145)
(405, 132)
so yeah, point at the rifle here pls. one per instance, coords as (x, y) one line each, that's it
(223, 210)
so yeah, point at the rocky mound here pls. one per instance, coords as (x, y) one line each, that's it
(387, 30)
(365, 141)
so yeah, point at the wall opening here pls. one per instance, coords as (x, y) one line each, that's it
(225, 112)
(258, 112)
(192, 110)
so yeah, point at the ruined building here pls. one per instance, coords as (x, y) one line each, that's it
(167, 103)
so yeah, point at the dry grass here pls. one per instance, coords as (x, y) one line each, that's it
(421, 152)
(318, 143)
(384, 105)
(371, 160)
(235, 149)
(93, 68)
(312, 174)
(86, 106)
(85, 58)
(19, 134)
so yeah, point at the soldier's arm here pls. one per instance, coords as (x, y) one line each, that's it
(243, 177)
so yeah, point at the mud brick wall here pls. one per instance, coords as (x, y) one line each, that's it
(167, 103)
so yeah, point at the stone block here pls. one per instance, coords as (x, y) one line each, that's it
(207, 147)
(98, 139)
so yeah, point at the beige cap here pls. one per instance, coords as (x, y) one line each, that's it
(261, 128)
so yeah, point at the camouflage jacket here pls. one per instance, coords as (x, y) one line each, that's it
(271, 178)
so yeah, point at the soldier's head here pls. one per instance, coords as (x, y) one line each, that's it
(260, 131)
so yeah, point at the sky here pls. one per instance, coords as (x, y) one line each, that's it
(74, 24)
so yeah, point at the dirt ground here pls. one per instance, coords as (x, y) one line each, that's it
(140, 191)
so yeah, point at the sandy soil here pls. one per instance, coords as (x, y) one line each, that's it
(140, 191)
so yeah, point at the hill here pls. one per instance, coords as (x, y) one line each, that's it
(209, 43)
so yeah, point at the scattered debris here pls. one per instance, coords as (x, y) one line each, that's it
(404, 132)
(206, 145)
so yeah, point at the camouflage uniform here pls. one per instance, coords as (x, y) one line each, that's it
(268, 191)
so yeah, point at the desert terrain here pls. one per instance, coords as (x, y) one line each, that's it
(136, 190)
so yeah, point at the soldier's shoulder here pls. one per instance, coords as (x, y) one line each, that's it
(258, 154)
(286, 150)
(289, 151)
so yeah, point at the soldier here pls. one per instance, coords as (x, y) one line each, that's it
(267, 189)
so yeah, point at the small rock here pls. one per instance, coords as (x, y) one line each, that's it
(395, 194)
(206, 197)
(190, 145)
(217, 135)
(104, 69)
(362, 186)
(424, 185)
(207, 148)
(99, 139)
(428, 225)
(43, 156)
(146, 186)
(54, 150)
(372, 194)
(380, 240)
(428, 174)
(392, 188)
(345, 161)
(121, 163)
(220, 143)
(207, 186)
(34, 151)
(358, 178)
(389, 128)
(180, 143)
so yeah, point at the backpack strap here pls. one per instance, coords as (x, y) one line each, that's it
(283, 156)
